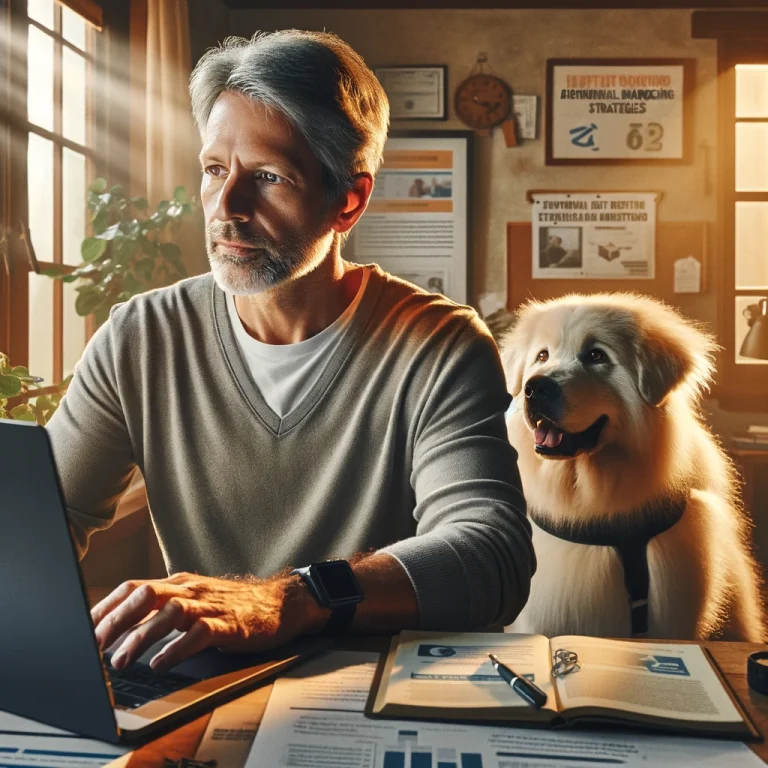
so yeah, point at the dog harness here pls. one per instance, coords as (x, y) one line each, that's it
(630, 536)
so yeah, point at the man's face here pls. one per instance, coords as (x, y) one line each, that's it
(555, 240)
(266, 213)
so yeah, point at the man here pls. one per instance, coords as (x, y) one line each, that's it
(294, 407)
(553, 253)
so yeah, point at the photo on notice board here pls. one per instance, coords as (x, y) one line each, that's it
(416, 225)
(559, 247)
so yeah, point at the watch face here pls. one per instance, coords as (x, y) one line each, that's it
(337, 581)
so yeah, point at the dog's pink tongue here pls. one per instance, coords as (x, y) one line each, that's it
(548, 436)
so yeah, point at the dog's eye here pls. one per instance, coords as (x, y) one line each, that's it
(543, 356)
(596, 355)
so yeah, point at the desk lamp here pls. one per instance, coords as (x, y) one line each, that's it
(755, 343)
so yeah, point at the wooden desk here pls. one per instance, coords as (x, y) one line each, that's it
(731, 657)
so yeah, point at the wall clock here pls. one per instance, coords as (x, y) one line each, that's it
(483, 101)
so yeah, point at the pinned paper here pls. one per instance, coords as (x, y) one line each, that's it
(491, 302)
(688, 275)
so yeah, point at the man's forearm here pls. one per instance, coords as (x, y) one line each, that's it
(389, 604)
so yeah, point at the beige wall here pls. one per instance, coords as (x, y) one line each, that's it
(518, 44)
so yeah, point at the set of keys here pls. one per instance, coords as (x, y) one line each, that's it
(565, 663)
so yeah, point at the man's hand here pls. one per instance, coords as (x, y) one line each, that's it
(234, 615)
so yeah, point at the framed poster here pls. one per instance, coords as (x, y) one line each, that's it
(618, 111)
(415, 93)
(416, 225)
(593, 235)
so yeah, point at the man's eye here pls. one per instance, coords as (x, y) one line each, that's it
(214, 170)
(270, 178)
(543, 356)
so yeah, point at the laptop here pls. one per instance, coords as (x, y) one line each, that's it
(51, 669)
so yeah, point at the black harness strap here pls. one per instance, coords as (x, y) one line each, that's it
(629, 533)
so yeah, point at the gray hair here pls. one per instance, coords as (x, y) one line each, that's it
(316, 81)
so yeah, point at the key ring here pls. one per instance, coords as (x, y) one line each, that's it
(565, 663)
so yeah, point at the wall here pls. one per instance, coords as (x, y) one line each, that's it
(518, 43)
(209, 23)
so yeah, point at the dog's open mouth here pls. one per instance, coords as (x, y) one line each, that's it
(553, 441)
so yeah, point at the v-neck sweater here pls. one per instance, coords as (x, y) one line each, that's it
(285, 373)
(399, 446)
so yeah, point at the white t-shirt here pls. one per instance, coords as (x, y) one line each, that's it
(284, 373)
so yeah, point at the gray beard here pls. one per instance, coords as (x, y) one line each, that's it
(256, 275)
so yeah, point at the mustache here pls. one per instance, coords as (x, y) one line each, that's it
(240, 235)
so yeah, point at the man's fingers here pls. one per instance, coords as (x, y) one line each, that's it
(112, 600)
(150, 596)
(175, 614)
(204, 632)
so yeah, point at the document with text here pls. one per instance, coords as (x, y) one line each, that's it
(315, 719)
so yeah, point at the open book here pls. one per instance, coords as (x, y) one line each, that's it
(662, 686)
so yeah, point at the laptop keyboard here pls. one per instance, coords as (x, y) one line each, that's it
(138, 684)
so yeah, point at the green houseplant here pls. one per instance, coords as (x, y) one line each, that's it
(19, 386)
(130, 250)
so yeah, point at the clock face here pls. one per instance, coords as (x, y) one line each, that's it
(483, 101)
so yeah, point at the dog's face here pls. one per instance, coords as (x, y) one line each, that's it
(583, 371)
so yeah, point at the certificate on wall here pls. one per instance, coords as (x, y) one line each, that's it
(618, 111)
(598, 236)
(417, 221)
(414, 93)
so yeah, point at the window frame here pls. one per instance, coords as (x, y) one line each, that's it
(740, 386)
(107, 153)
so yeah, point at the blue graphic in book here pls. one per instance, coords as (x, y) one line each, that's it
(664, 665)
(439, 651)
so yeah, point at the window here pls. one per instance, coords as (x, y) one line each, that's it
(743, 381)
(52, 159)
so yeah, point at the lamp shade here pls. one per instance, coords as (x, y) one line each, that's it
(755, 343)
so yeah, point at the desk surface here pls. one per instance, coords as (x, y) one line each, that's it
(730, 657)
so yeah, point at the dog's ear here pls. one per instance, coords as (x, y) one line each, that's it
(661, 368)
(512, 348)
(672, 353)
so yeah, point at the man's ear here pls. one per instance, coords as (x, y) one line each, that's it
(354, 203)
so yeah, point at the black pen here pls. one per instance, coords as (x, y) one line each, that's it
(522, 687)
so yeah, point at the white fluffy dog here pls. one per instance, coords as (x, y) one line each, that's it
(636, 521)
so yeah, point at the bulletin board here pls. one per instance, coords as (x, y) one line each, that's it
(674, 240)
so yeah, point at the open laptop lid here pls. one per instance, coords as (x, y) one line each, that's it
(50, 666)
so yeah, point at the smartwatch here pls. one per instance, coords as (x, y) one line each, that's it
(334, 585)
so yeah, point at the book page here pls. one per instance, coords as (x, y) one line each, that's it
(315, 719)
(435, 669)
(661, 680)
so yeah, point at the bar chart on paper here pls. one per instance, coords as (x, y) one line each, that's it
(409, 753)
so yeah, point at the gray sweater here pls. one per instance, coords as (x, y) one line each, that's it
(400, 446)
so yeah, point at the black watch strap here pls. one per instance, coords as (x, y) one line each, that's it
(334, 586)
(339, 621)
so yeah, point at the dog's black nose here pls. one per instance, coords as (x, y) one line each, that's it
(542, 388)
